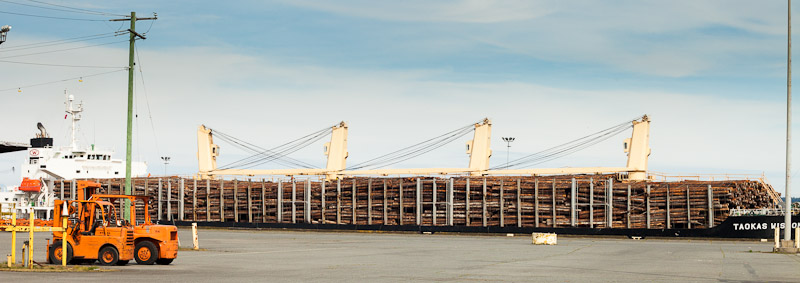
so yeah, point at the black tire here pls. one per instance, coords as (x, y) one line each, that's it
(55, 258)
(164, 261)
(108, 256)
(147, 256)
(122, 262)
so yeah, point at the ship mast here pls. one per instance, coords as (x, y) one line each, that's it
(76, 116)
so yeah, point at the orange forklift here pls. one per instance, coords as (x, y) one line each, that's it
(154, 243)
(94, 232)
(150, 243)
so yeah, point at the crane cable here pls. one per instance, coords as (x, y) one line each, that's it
(277, 153)
(568, 148)
(266, 155)
(262, 155)
(413, 150)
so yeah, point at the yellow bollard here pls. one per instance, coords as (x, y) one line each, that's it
(797, 237)
(30, 241)
(64, 243)
(14, 237)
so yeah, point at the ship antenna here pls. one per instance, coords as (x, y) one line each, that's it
(76, 116)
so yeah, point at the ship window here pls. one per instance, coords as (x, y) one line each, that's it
(43, 166)
(77, 171)
(116, 173)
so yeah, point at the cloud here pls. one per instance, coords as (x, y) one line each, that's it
(452, 11)
(269, 99)
(268, 102)
(664, 39)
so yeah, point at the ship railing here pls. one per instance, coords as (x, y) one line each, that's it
(663, 177)
(760, 212)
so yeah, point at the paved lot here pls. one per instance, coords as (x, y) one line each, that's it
(250, 256)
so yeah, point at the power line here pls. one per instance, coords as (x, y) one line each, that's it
(49, 17)
(59, 50)
(64, 80)
(55, 9)
(60, 65)
(147, 101)
(77, 9)
(148, 28)
(59, 42)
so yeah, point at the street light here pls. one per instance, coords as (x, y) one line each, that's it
(508, 141)
(166, 161)
(3, 31)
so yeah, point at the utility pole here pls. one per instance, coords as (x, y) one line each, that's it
(787, 234)
(129, 144)
(508, 141)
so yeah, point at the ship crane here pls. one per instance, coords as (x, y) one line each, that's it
(478, 149)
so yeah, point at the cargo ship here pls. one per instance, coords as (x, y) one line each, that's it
(46, 167)
(626, 200)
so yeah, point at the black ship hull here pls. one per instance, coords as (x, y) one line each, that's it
(753, 227)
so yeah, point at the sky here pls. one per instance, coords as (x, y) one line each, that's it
(711, 75)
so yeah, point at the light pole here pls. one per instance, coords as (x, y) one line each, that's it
(3, 31)
(787, 203)
(166, 161)
(508, 141)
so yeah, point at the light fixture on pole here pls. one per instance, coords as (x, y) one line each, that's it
(3, 32)
(166, 161)
(508, 141)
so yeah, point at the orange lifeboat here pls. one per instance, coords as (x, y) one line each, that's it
(29, 185)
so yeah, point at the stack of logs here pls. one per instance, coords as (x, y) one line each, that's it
(592, 201)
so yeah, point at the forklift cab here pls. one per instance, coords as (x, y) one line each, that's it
(99, 214)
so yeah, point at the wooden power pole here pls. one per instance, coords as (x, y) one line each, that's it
(129, 140)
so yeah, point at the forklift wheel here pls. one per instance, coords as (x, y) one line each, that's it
(56, 253)
(145, 253)
(108, 256)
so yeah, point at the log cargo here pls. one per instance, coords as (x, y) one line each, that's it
(579, 201)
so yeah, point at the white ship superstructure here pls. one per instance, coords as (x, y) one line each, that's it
(48, 165)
